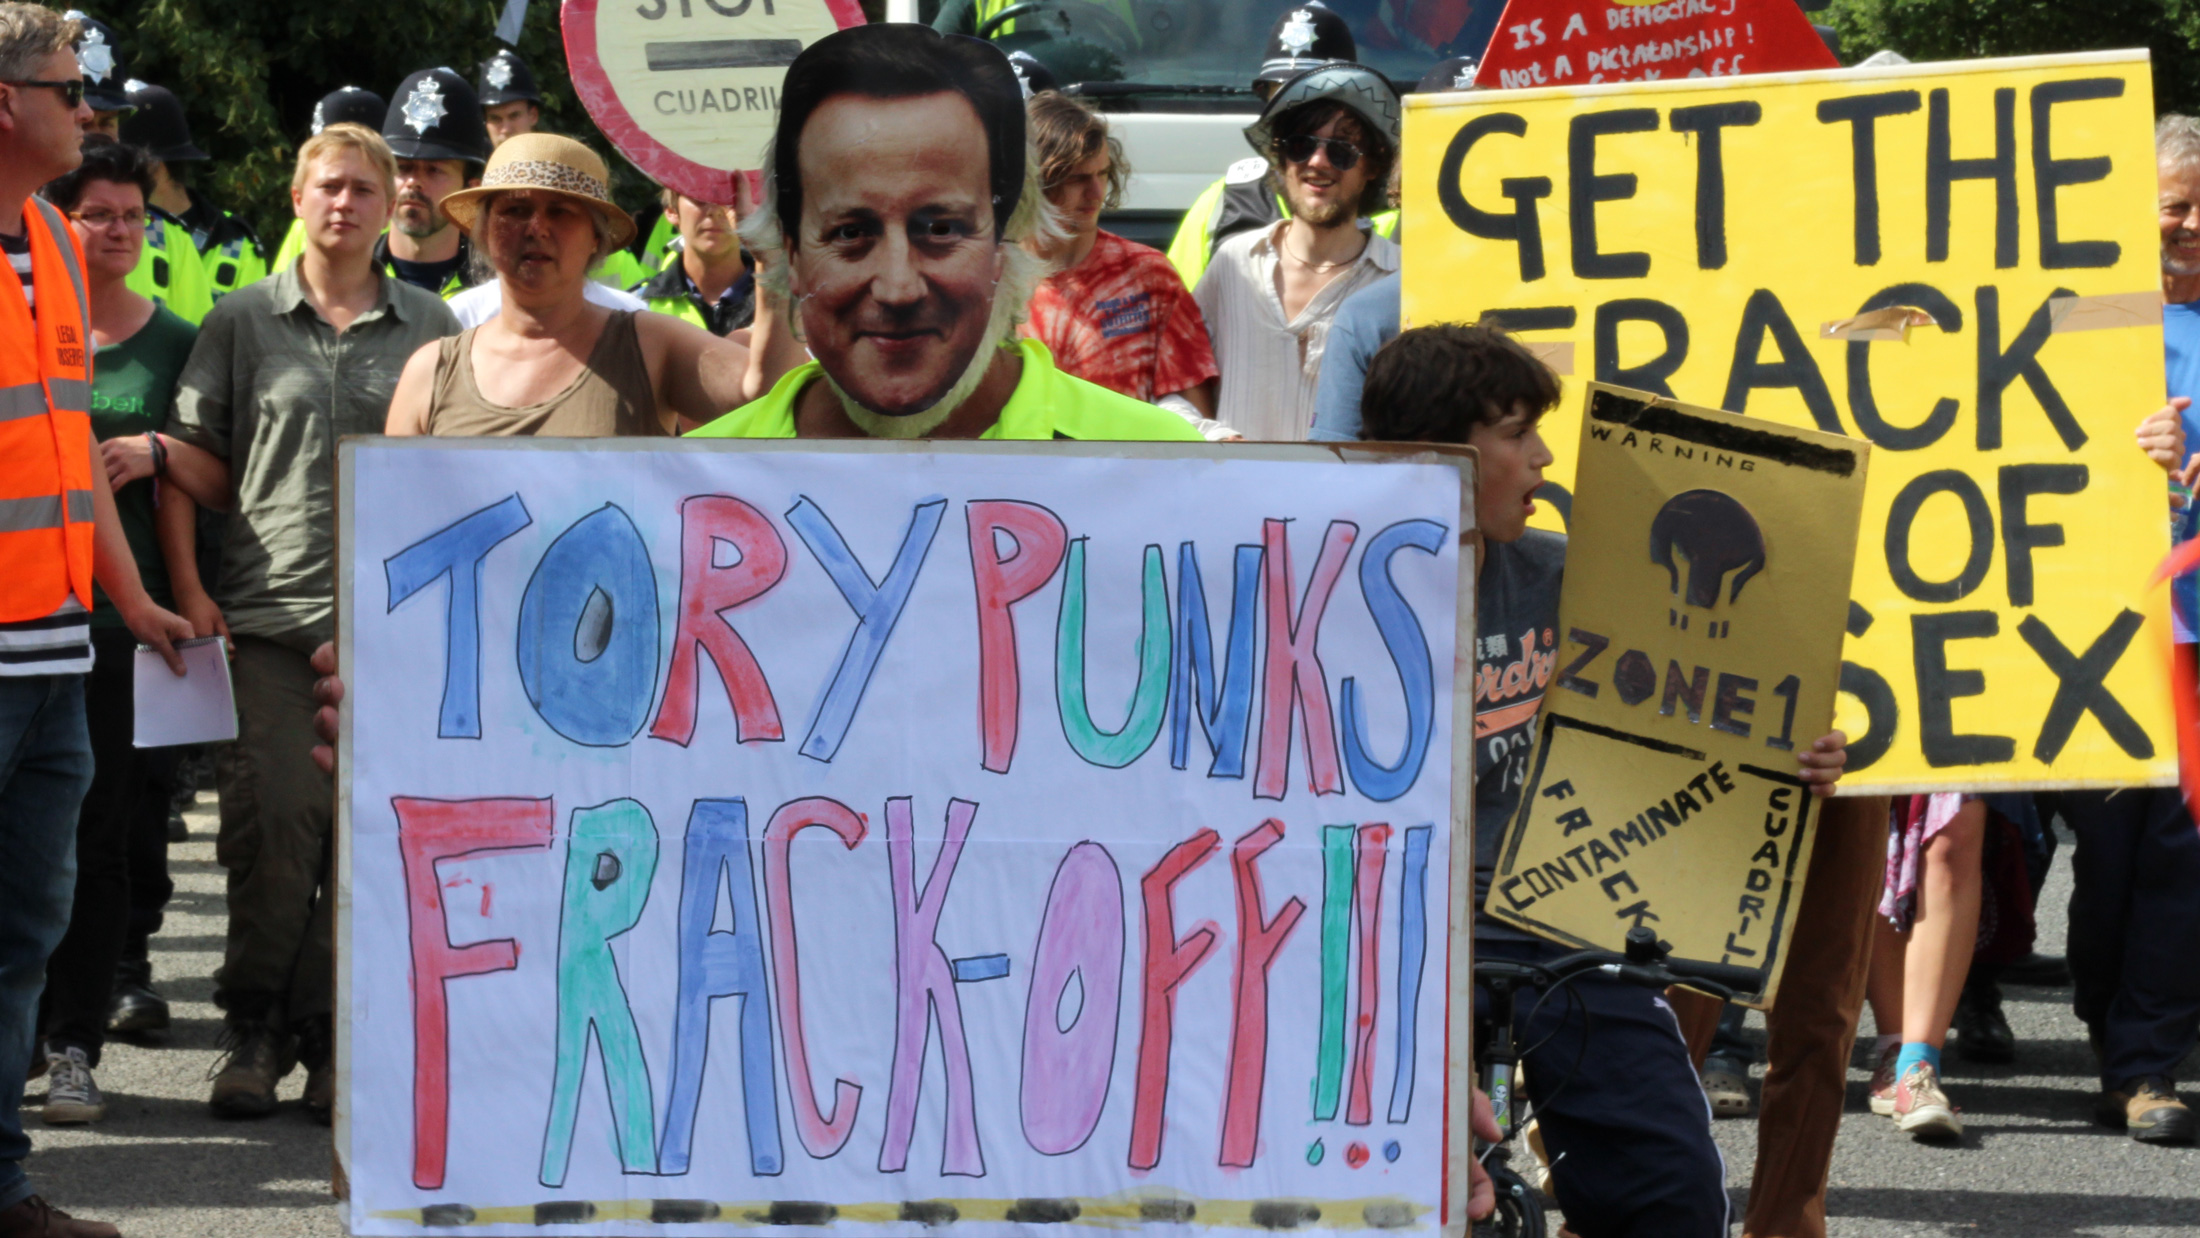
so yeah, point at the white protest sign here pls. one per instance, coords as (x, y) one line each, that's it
(689, 89)
(874, 836)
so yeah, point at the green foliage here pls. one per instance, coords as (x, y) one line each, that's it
(1968, 29)
(250, 71)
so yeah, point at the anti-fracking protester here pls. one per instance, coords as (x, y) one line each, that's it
(63, 534)
(229, 251)
(346, 105)
(551, 363)
(1627, 1119)
(1330, 138)
(123, 825)
(99, 60)
(1113, 312)
(1304, 37)
(511, 103)
(707, 281)
(895, 197)
(434, 128)
(282, 369)
(2135, 901)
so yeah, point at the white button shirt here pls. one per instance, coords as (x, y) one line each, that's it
(1269, 365)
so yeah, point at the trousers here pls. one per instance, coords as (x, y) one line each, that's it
(128, 798)
(2134, 927)
(1812, 1021)
(276, 843)
(45, 768)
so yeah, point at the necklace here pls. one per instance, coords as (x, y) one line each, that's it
(1316, 266)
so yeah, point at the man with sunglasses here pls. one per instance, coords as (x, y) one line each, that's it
(59, 531)
(1330, 137)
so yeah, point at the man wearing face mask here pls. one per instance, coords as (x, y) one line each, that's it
(895, 197)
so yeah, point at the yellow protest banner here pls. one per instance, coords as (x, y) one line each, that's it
(1952, 261)
(1699, 649)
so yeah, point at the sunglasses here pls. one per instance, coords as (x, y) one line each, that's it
(72, 91)
(1300, 149)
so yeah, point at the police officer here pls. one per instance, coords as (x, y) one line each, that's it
(346, 105)
(434, 128)
(511, 103)
(1305, 36)
(99, 59)
(706, 281)
(229, 250)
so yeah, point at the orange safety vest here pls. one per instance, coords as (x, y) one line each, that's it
(45, 427)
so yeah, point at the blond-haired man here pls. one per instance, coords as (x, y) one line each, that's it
(282, 370)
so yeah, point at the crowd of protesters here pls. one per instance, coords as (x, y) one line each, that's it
(935, 254)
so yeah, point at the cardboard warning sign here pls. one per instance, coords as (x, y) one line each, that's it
(1577, 42)
(1700, 649)
(689, 89)
(1955, 262)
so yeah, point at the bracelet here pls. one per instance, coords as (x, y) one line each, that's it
(160, 453)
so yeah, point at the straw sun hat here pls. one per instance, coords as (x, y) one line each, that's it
(545, 162)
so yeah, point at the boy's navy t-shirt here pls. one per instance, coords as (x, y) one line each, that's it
(1516, 653)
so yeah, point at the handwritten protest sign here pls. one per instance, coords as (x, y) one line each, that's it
(1581, 42)
(878, 835)
(1706, 587)
(689, 90)
(1717, 242)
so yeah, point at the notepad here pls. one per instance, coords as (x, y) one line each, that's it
(197, 708)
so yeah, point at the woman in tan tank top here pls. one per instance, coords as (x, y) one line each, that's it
(552, 363)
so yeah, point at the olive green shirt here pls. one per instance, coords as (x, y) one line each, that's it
(270, 387)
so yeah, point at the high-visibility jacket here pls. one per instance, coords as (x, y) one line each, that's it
(46, 510)
(1241, 199)
(294, 244)
(230, 254)
(169, 270)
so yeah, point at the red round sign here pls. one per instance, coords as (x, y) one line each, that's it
(688, 90)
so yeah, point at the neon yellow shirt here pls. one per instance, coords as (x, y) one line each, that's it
(1046, 404)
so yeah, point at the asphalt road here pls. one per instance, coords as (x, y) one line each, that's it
(2032, 1164)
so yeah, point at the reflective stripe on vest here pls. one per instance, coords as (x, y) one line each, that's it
(70, 395)
(44, 512)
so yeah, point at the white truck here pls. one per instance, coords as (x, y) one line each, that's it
(1175, 76)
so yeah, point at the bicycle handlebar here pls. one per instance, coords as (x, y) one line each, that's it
(1721, 980)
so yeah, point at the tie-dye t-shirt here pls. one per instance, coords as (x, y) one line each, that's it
(1123, 319)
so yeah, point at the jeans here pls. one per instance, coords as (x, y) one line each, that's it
(45, 768)
(128, 797)
(2134, 927)
(1625, 1110)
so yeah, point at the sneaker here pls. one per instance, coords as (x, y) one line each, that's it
(1726, 1086)
(179, 831)
(255, 1059)
(317, 1050)
(1982, 1030)
(72, 1097)
(1921, 1109)
(2150, 1110)
(1883, 1081)
(135, 1008)
(35, 1218)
